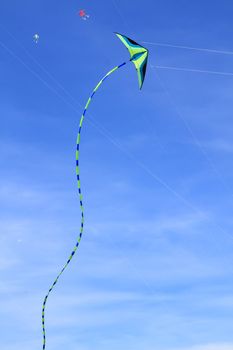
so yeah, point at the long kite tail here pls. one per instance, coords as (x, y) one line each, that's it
(80, 200)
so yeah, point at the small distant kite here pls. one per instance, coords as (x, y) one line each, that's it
(83, 15)
(36, 38)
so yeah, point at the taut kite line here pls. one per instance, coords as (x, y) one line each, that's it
(139, 56)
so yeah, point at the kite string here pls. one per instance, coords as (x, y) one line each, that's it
(223, 52)
(80, 199)
(185, 47)
(121, 15)
(94, 124)
(104, 131)
(176, 46)
(40, 66)
(110, 138)
(193, 70)
(190, 131)
(203, 151)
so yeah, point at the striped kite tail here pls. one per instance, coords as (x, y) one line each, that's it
(80, 201)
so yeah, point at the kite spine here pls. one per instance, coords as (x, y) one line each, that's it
(80, 198)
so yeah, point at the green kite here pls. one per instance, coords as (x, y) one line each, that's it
(139, 56)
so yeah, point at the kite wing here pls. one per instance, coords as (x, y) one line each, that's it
(138, 55)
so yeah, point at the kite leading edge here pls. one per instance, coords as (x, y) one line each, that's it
(139, 56)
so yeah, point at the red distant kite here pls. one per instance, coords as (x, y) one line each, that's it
(83, 15)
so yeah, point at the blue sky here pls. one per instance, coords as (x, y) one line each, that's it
(154, 269)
